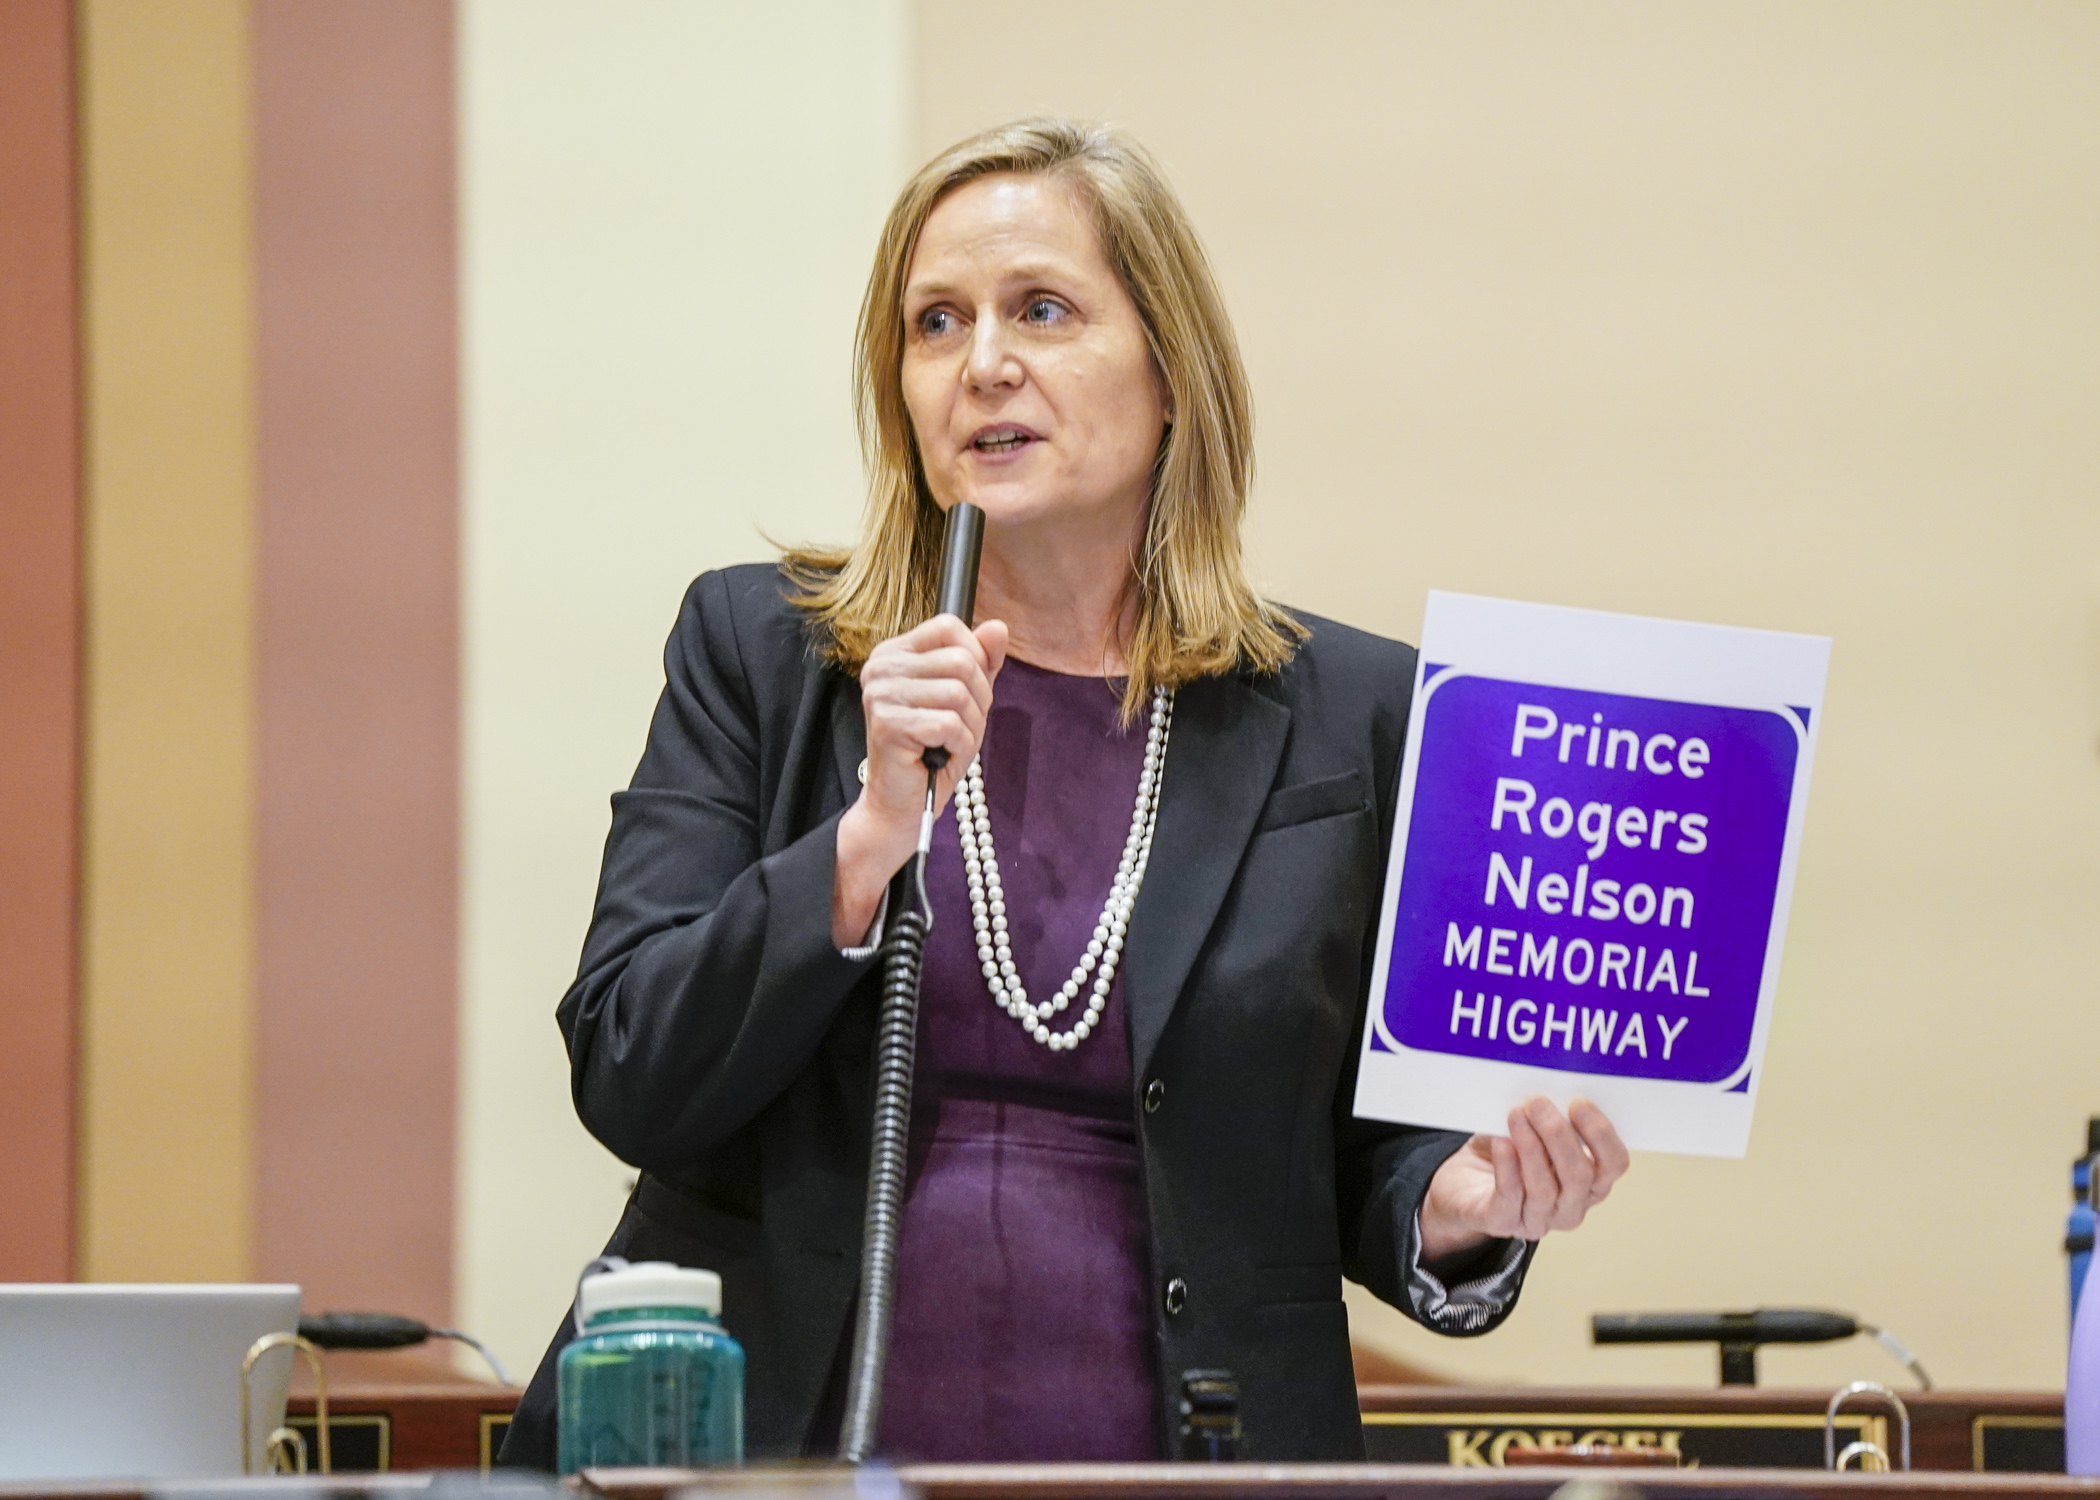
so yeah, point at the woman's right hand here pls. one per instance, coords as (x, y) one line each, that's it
(930, 686)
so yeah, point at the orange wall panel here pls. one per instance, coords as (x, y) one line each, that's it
(166, 1177)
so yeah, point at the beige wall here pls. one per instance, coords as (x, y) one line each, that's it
(1780, 315)
(666, 211)
(167, 897)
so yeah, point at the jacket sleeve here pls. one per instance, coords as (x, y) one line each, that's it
(1382, 1171)
(709, 976)
(1382, 1179)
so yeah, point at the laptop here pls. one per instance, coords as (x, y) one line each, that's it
(102, 1381)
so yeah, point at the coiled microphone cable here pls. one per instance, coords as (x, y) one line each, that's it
(896, 1051)
(896, 1048)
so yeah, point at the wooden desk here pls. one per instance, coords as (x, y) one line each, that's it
(1199, 1482)
(1733, 1426)
(1333, 1482)
(401, 1416)
(403, 1410)
(412, 1409)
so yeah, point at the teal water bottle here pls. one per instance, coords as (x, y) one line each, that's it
(652, 1377)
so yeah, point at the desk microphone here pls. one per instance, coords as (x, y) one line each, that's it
(896, 1045)
(364, 1330)
(1740, 1333)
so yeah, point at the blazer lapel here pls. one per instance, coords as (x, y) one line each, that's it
(849, 742)
(1222, 753)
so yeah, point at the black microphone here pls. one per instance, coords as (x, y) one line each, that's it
(353, 1330)
(1768, 1325)
(1737, 1333)
(959, 553)
(1740, 1333)
(896, 1050)
(369, 1330)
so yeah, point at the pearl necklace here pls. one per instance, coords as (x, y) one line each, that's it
(973, 826)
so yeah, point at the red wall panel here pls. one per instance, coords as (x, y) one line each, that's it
(358, 647)
(39, 638)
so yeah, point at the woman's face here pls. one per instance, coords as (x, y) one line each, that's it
(1030, 385)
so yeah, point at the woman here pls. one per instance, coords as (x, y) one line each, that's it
(1132, 1146)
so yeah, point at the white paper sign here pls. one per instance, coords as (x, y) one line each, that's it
(1593, 855)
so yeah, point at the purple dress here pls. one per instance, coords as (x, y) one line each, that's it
(1022, 1329)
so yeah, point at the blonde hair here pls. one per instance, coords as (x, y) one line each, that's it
(1197, 615)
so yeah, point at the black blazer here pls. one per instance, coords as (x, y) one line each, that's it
(719, 1042)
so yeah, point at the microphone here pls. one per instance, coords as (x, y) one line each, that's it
(1768, 1325)
(368, 1330)
(896, 1053)
(960, 551)
(1740, 1333)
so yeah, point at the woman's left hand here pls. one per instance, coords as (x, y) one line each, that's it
(1549, 1171)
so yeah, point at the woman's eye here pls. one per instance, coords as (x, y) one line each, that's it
(1045, 310)
(934, 322)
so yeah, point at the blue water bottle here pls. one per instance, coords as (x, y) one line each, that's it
(2078, 1230)
(2082, 1394)
(652, 1377)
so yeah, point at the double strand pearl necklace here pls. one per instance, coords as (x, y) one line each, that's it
(973, 826)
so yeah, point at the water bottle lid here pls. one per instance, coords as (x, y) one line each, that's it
(649, 1283)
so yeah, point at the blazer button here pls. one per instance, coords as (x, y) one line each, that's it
(1177, 1296)
(1155, 1096)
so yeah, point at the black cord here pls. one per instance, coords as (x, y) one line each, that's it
(896, 1040)
(896, 1043)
